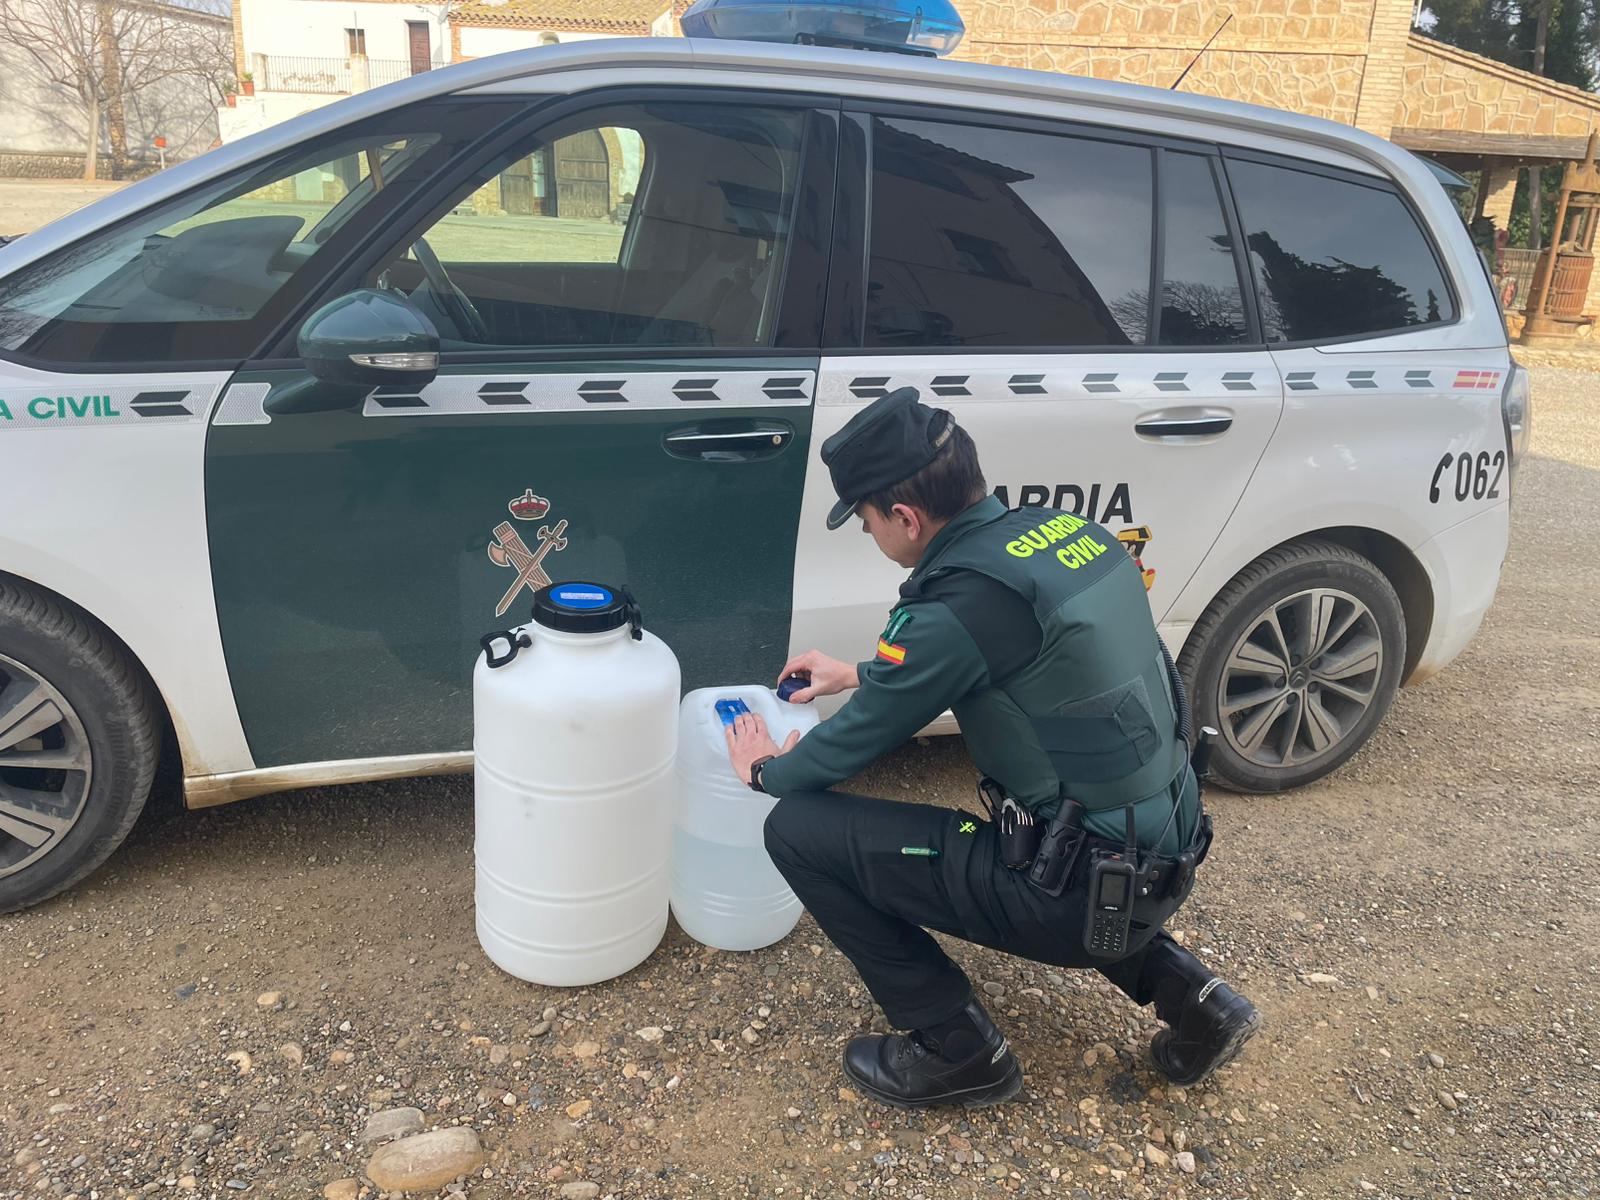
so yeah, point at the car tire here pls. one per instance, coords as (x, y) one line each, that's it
(1295, 662)
(79, 740)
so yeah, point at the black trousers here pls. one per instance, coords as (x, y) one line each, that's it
(845, 858)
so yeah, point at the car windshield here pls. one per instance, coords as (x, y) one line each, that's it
(219, 254)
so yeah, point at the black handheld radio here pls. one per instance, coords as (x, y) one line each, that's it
(1109, 912)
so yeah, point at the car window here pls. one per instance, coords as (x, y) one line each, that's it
(651, 224)
(1202, 303)
(194, 278)
(1335, 258)
(568, 200)
(983, 236)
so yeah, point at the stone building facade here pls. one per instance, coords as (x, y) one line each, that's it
(1355, 61)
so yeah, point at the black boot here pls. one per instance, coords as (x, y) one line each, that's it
(965, 1061)
(1208, 1022)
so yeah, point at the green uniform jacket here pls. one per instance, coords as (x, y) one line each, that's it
(1033, 627)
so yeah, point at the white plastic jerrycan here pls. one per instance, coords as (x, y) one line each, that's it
(575, 734)
(725, 891)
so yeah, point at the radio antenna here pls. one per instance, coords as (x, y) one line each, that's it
(1198, 53)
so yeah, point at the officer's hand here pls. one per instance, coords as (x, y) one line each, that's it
(828, 676)
(749, 740)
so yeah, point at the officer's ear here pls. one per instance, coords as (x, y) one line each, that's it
(912, 521)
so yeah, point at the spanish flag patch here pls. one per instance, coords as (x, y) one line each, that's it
(889, 652)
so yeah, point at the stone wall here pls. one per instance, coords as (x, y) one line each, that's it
(36, 165)
(1446, 88)
(1320, 85)
(1309, 56)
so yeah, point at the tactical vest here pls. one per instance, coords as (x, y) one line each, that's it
(1092, 717)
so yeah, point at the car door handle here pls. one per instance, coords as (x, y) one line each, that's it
(729, 441)
(1199, 425)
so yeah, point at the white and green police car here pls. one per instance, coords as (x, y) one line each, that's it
(285, 429)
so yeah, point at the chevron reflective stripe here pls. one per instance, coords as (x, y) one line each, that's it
(504, 392)
(161, 404)
(869, 387)
(510, 394)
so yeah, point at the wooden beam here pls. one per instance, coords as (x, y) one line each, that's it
(1525, 147)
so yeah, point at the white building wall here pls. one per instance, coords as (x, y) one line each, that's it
(255, 113)
(316, 28)
(37, 116)
(480, 42)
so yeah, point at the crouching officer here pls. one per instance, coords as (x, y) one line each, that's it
(1033, 626)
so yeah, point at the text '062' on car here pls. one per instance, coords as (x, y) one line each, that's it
(287, 427)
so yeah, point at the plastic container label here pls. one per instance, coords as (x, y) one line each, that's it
(582, 596)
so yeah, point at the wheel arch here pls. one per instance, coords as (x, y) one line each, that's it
(1405, 574)
(172, 755)
(1394, 560)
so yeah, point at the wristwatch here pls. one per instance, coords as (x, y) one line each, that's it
(755, 772)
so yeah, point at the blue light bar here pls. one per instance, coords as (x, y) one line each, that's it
(926, 27)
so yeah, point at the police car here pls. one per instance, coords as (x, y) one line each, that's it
(286, 428)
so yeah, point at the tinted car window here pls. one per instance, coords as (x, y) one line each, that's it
(651, 224)
(1201, 301)
(999, 237)
(567, 199)
(200, 277)
(1335, 258)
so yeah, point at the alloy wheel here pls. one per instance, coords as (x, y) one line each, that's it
(1300, 678)
(45, 766)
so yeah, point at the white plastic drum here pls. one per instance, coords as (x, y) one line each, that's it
(575, 735)
(725, 891)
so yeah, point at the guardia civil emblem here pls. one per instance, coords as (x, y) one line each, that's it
(1134, 540)
(510, 551)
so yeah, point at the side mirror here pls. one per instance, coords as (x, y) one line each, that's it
(370, 338)
(364, 339)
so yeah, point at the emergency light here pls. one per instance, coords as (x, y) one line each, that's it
(931, 28)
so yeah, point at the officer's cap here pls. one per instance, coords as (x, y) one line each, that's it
(890, 440)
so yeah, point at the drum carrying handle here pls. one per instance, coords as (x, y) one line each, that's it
(514, 641)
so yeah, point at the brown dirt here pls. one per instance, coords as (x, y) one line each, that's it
(1447, 878)
(26, 204)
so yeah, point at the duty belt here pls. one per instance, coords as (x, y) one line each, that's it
(1048, 852)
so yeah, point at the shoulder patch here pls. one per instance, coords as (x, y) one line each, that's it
(898, 620)
(889, 648)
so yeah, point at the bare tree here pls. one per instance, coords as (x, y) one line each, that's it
(106, 52)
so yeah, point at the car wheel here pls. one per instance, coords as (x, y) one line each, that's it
(1295, 663)
(78, 745)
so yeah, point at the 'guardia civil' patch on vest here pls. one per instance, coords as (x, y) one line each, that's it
(1077, 548)
(1091, 717)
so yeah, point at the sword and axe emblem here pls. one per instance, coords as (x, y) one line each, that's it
(509, 550)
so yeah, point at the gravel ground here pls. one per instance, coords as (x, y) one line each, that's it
(1420, 932)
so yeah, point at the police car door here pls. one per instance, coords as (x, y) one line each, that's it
(616, 399)
(1073, 295)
